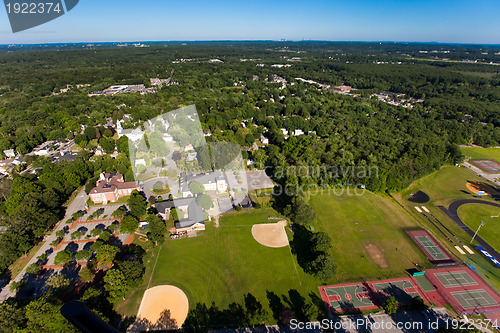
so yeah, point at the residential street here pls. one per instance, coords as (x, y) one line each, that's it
(77, 204)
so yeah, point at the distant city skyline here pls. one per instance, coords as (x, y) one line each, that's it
(442, 21)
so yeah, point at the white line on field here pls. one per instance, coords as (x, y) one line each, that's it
(154, 266)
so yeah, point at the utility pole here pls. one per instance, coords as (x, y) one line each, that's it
(482, 223)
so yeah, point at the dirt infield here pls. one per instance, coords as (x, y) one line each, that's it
(270, 234)
(377, 256)
(475, 187)
(160, 298)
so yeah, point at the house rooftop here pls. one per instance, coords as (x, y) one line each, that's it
(195, 212)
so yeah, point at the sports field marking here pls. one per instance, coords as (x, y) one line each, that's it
(459, 249)
(403, 291)
(348, 297)
(331, 292)
(468, 249)
(425, 209)
(489, 166)
(474, 298)
(418, 209)
(154, 267)
(363, 296)
(432, 248)
(456, 279)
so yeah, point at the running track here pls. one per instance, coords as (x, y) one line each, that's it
(452, 212)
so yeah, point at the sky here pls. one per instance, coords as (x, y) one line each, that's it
(447, 21)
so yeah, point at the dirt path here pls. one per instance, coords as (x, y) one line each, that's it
(377, 256)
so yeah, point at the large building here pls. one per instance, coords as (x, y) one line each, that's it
(212, 181)
(110, 187)
(193, 217)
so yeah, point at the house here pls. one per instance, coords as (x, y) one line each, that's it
(6, 165)
(110, 187)
(298, 132)
(9, 153)
(191, 156)
(167, 137)
(212, 181)
(264, 140)
(342, 88)
(133, 134)
(140, 161)
(193, 218)
(99, 151)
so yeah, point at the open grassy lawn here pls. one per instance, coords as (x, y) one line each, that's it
(356, 221)
(443, 186)
(225, 263)
(481, 153)
(472, 215)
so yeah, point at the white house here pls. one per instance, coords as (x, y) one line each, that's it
(167, 137)
(140, 161)
(298, 132)
(133, 134)
(212, 181)
(9, 153)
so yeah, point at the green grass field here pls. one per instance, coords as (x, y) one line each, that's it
(472, 215)
(355, 221)
(443, 186)
(225, 263)
(481, 153)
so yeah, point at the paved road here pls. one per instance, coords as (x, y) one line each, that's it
(452, 212)
(492, 177)
(77, 204)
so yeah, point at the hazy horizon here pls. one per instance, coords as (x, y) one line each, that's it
(424, 21)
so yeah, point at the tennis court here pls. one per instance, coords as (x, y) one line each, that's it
(433, 251)
(432, 248)
(470, 299)
(488, 166)
(456, 279)
(463, 289)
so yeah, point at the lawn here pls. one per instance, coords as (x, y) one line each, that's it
(443, 186)
(472, 215)
(481, 153)
(353, 222)
(225, 263)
